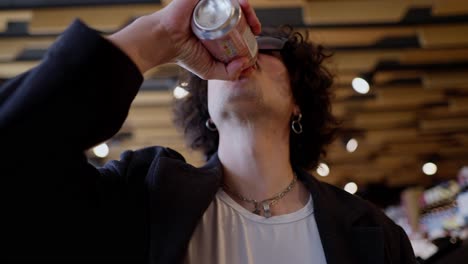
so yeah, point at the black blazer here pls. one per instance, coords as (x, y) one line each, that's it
(144, 207)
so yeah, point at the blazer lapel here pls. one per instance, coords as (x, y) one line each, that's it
(344, 238)
(368, 244)
(179, 195)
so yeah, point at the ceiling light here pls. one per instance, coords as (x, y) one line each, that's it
(323, 170)
(352, 145)
(180, 92)
(101, 151)
(360, 85)
(429, 168)
(351, 187)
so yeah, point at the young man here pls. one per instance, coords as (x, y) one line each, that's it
(253, 202)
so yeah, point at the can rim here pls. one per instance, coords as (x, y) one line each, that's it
(198, 6)
(214, 33)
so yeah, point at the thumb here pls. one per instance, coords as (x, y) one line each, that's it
(230, 71)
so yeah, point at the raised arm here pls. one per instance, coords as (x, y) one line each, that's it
(78, 96)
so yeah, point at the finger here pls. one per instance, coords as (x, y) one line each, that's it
(251, 17)
(235, 68)
(231, 71)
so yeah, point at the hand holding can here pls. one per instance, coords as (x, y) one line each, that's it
(222, 28)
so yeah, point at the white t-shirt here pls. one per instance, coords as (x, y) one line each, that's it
(230, 234)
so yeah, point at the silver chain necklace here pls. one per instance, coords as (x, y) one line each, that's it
(267, 203)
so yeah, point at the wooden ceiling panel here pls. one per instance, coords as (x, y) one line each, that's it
(361, 60)
(8, 70)
(384, 77)
(441, 112)
(445, 125)
(357, 36)
(150, 116)
(367, 60)
(406, 177)
(392, 135)
(398, 161)
(445, 79)
(404, 103)
(343, 93)
(449, 7)
(10, 48)
(458, 104)
(148, 132)
(407, 91)
(105, 18)
(404, 95)
(446, 169)
(153, 98)
(463, 138)
(385, 120)
(357, 173)
(413, 148)
(277, 3)
(13, 15)
(343, 157)
(444, 36)
(345, 78)
(427, 56)
(165, 70)
(344, 12)
(460, 152)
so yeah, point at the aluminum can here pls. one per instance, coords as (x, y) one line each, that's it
(222, 28)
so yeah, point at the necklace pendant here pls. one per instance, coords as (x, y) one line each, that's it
(257, 209)
(266, 210)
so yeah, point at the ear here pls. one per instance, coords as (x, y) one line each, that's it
(296, 110)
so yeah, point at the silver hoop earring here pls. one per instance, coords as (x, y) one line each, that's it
(296, 124)
(210, 125)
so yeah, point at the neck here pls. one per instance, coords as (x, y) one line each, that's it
(257, 166)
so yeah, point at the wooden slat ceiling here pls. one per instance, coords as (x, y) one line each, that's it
(414, 53)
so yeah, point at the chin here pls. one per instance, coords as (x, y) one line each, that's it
(243, 90)
(243, 108)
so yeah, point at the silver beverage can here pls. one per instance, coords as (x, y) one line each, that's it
(223, 30)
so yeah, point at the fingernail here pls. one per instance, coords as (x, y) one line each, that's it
(245, 64)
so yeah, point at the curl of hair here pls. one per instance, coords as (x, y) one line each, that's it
(311, 88)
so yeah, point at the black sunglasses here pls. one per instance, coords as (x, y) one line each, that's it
(270, 43)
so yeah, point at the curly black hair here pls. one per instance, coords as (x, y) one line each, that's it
(311, 88)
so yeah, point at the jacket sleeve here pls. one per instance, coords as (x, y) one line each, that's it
(79, 95)
(406, 250)
(55, 205)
